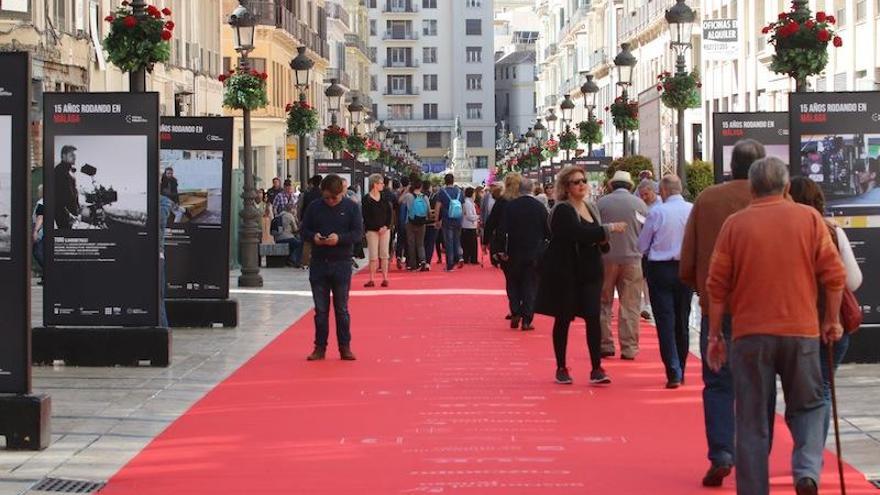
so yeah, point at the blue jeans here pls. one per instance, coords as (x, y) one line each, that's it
(840, 348)
(163, 315)
(326, 277)
(38, 253)
(295, 247)
(452, 242)
(430, 242)
(718, 401)
(671, 305)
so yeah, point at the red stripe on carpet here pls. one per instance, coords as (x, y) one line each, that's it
(443, 399)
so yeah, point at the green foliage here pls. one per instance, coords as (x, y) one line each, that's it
(633, 164)
(590, 131)
(302, 119)
(801, 42)
(245, 90)
(680, 91)
(356, 144)
(700, 175)
(568, 140)
(138, 43)
(335, 138)
(624, 114)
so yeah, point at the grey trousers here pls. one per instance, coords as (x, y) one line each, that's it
(415, 245)
(755, 361)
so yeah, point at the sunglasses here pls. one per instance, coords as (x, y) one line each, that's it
(577, 182)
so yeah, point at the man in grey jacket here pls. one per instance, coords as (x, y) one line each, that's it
(623, 266)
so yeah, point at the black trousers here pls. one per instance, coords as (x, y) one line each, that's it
(594, 340)
(522, 288)
(469, 245)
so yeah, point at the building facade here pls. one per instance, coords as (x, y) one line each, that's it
(432, 62)
(516, 32)
(283, 26)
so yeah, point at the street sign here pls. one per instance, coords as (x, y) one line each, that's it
(720, 39)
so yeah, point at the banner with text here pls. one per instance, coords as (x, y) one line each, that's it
(101, 157)
(835, 140)
(196, 164)
(15, 225)
(720, 39)
(768, 128)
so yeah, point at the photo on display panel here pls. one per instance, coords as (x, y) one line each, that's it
(847, 166)
(5, 183)
(193, 181)
(775, 150)
(100, 182)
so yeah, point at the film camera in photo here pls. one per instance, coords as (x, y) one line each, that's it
(846, 166)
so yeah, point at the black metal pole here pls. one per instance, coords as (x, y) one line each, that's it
(137, 80)
(301, 155)
(680, 68)
(250, 231)
(625, 132)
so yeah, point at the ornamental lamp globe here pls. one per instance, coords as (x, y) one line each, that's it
(590, 91)
(302, 67)
(625, 62)
(334, 94)
(356, 110)
(567, 108)
(681, 19)
(381, 131)
(540, 130)
(243, 25)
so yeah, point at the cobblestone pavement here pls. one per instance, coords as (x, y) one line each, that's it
(103, 416)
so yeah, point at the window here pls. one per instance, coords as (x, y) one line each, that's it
(429, 111)
(372, 27)
(861, 10)
(372, 4)
(474, 82)
(473, 3)
(429, 55)
(373, 83)
(474, 111)
(429, 27)
(474, 54)
(514, 72)
(434, 139)
(507, 72)
(400, 112)
(429, 4)
(473, 27)
(429, 82)
(481, 162)
(475, 139)
(258, 64)
(398, 57)
(373, 54)
(841, 17)
(399, 85)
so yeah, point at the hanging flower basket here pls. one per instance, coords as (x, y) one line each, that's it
(335, 138)
(568, 140)
(302, 119)
(244, 90)
(371, 153)
(590, 131)
(801, 43)
(551, 149)
(138, 43)
(624, 114)
(680, 91)
(356, 144)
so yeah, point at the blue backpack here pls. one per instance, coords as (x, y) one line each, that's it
(418, 214)
(455, 210)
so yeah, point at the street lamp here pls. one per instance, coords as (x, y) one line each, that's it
(625, 62)
(334, 94)
(681, 20)
(551, 120)
(567, 108)
(302, 67)
(243, 25)
(540, 130)
(590, 90)
(355, 109)
(381, 131)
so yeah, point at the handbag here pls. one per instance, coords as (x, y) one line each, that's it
(850, 310)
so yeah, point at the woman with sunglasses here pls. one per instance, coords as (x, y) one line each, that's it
(571, 276)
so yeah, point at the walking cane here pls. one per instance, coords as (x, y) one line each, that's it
(834, 411)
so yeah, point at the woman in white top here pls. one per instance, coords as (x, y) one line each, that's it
(470, 220)
(807, 192)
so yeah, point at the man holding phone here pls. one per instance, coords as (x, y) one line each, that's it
(333, 224)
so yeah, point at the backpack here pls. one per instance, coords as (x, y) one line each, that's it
(455, 210)
(418, 214)
(277, 226)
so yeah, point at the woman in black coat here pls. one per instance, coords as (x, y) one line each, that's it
(495, 237)
(571, 274)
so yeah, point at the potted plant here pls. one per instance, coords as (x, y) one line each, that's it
(624, 114)
(372, 150)
(302, 119)
(568, 140)
(335, 138)
(551, 149)
(356, 144)
(801, 42)
(679, 91)
(590, 131)
(244, 89)
(135, 43)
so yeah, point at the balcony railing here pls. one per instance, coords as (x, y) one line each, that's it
(550, 51)
(275, 13)
(639, 19)
(597, 58)
(396, 8)
(397, 35)
(401, 64)
(340, 75)
(338, 12)
(355, 41)
(550, 100)
(410, 91)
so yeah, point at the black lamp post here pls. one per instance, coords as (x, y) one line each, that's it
(590, 90)
(567, 108)
(334, 94)
(243, 26)
(302, 68)
(681, 21)
(625, 62)
(551, 119)
(355, 109)
(137, 79)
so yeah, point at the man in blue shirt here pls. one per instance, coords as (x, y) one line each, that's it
(333, 224)
(660, 240)
(451, 223)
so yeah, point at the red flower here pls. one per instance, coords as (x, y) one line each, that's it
(831, 19)
(169, 26)
(601, 122)
(837, 42)
(222, 77)
(782, 15)
(166, 35)
(124, 3)
(820, 16)
(153, 11)
(606, 109)
(766, 29)
(232, 71)
(166, 11)
(699, 85)
(129, 21)
(264, 76)
(659, 88)
(288, 107)
(823, 36)
(109, 18)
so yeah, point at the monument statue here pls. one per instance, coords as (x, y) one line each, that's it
(461, 166)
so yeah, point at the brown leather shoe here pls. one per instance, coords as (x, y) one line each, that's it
(716, 474)
(806, 486)
(317, 354)
(346, 354)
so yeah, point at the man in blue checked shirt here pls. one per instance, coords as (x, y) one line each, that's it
(283, 199)
(660, 240)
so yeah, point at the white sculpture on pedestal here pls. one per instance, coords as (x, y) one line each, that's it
(461, 166)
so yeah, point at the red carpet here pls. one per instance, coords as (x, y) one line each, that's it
(443, 399)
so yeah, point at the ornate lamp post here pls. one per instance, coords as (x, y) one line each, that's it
(137, 80)
(302, 68)
(334, 94)
(681, 21)
(567, 108)
(243, 26)
(356, 110)
(590, 90)
(551, 119)
(625, 62)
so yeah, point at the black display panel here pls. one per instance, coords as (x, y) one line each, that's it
(768, 128)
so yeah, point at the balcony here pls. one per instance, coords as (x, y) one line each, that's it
(550, 51)
(337, 12)
(398, 8)
(400, 35)
(640, 19)
(409, 91)
(597, 58)
(355, 41)
(400, 64)
(340, 75)
(550, 100)
(276, 14)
